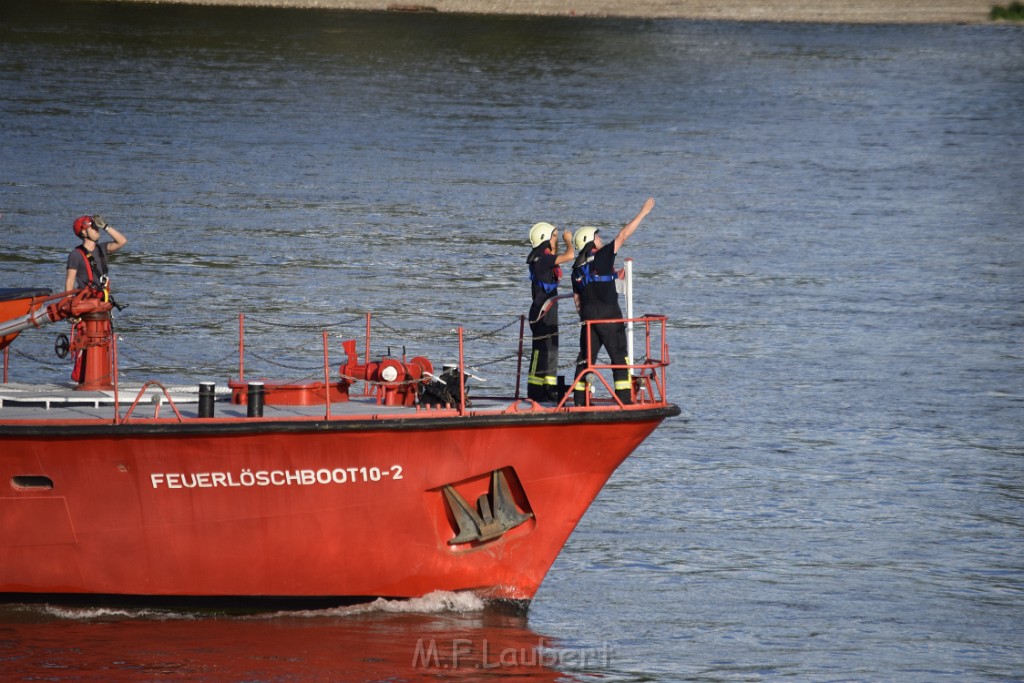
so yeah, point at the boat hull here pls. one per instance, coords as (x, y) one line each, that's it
(306, 509)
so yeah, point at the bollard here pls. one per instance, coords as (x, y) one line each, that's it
(255, 399)
(206, 398)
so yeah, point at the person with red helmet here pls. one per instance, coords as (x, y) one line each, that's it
(88, 261)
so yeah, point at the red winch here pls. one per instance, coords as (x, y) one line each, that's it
(396, 381)
(92, 334)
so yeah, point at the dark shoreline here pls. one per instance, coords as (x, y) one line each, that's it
(820, 11)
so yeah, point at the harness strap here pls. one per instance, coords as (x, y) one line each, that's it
(548, 287)
(87, 257)
(589, 276)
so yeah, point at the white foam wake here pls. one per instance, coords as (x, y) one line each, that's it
(431, 603)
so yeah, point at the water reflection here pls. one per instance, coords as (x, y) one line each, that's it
(436, 637)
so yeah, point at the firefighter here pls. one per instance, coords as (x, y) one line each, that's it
(87, 266)
(545, 263)
(593, 279)
(88, 261)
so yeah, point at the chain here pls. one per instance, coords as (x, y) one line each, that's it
(50, 363)
(493, 333)
(284, 365)
(486, 363)
(304, 326)
(133, 353)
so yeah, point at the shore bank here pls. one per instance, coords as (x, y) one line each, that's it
(828, 11)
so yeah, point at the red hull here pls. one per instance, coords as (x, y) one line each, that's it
(341, 508)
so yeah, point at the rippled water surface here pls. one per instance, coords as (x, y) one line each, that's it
(838, 242)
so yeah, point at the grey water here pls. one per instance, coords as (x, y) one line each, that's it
(838, 242)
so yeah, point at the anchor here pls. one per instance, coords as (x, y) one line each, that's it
(496, 512)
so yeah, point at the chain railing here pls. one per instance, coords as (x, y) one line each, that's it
(264, 346)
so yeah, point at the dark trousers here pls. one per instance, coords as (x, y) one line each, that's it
(611, 336)
(542, 381)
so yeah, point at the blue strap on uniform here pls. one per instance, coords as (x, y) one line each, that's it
(589, 276)
(548, 287)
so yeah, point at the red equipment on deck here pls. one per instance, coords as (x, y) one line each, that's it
(395, 382)
(92, 337)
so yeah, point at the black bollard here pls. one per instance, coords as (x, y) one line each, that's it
(255, 399)
(206, 398)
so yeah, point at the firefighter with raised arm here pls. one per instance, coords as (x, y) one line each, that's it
(87, 266)
(87, 263)
(593, 279)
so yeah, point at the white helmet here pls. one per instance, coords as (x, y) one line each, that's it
(541, 233)
(582, 236)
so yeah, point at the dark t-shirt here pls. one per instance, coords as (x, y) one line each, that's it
(76, 261)
(601, 300)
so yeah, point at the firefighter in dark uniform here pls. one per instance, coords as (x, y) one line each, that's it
(593, 279)
(545, 263)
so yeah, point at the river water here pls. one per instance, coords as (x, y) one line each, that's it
(837, 240)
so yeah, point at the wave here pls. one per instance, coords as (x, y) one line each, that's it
(438, 602)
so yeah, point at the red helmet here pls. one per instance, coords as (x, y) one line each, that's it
(82, 223)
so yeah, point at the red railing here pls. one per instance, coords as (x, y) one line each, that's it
(648, 378)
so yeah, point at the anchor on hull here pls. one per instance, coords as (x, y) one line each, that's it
(495, 513)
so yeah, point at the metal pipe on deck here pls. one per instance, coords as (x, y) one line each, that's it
(36, 318)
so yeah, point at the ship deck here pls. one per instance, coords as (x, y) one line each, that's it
(64, 402)
(62, 407)
(385, 388)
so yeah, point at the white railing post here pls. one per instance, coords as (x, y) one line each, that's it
(629, 311)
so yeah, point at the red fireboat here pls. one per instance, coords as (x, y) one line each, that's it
(380, 480)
